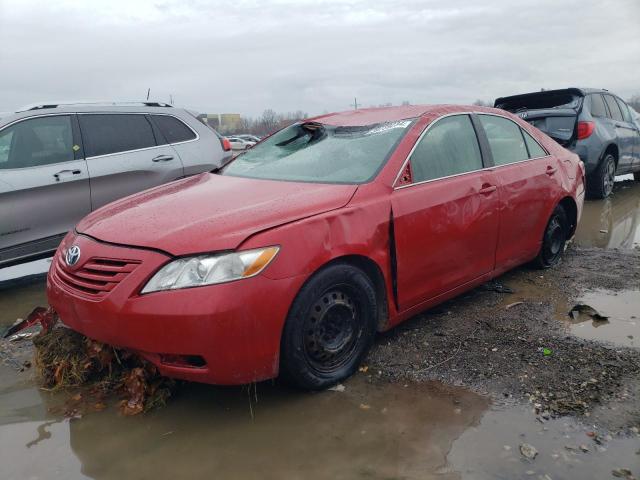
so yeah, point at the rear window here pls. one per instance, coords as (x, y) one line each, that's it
(104, 134)
(616, 114)
(535, 150)
(505, 139)
(597, 106)
(625, 111)
(172, 129)
(313, 152)
(540, 101)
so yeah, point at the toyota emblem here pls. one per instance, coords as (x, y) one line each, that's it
(73, 255)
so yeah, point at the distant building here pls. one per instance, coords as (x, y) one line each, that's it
(225, 122)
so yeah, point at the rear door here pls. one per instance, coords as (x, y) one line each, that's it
(555, 112)
(198, 153)
(124, 155)
(44, 184)
(629, 130)
(528, 181)
(625, 132)
(446, 219)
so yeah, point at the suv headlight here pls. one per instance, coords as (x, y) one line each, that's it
(210, 269)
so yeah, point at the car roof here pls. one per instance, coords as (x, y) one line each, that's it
(370, 116)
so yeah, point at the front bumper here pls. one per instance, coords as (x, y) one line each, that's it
(235, 327)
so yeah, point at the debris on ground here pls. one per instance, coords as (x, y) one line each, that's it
(66, 359)
(494, 286)
(582, 308)
(337, 388)
(528, 451)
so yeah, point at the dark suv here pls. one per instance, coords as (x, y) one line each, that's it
(595, 124)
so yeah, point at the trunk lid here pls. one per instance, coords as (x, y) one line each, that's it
(555, 112)
(209, 212)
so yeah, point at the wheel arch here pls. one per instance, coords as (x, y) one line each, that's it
(571, 209)
(613, 149)
(373, 271)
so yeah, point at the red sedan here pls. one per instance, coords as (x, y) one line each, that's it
(289, 261)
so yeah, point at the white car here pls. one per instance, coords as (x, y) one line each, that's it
(249, 138)
(240, 143)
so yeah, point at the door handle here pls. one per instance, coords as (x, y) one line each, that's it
(487, 189)
(551, 170)
(61, 172)
(162, 158)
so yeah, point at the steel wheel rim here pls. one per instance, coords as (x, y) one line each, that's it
(610, 175)
(332, 329)
(556, 237)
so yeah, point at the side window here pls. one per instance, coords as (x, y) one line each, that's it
(625, 111)
(174, 130)
(448, 148)
(535, 150)
(616, 114)
(505, 139)
(112, 133)
(597, 105)
(37, 141)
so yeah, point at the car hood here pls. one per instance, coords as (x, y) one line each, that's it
(209, 212)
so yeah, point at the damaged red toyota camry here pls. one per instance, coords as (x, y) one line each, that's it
(289, 260)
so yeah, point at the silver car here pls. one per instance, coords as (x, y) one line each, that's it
(60, 162)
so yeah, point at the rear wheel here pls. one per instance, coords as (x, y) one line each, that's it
(600, 182)
(329, 329)
(554, 239)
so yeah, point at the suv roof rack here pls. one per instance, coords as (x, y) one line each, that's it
(119, 104)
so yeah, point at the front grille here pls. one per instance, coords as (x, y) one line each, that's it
(97, 277)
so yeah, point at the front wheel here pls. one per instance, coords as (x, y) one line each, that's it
(600, 182)
(554, 239)
(329, 329)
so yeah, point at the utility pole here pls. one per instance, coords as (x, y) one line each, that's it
(170, 99)
(355, 103)
(148, 92)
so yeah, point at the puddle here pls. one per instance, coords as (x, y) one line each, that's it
(367, 431)
(613, 222)
(18, 301)
(490, 450)
(622, 307)
(623, 325)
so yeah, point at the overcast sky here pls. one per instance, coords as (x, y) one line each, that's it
(246, 56)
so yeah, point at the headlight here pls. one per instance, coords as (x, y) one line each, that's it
(210, 269)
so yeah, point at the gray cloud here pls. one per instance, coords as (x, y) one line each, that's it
(245, 56)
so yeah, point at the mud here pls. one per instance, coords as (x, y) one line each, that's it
(513, 347)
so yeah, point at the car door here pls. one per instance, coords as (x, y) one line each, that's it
(446, 219)
(625, 132)
(198, 153)
(44, 184)
(528, 181)
(124, 157)
(632, 130)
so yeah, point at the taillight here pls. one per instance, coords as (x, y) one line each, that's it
(585, 129)
(226, 144)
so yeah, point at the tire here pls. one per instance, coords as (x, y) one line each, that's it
(329, 329)
(600, 182)
(554, 239)
(636, 176)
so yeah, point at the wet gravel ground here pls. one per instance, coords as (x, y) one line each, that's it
(521, 352)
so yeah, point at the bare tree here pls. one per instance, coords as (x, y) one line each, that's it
(482, 103)
(634, 102)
